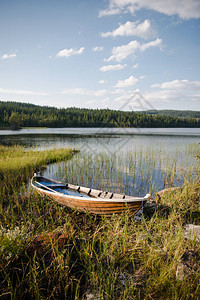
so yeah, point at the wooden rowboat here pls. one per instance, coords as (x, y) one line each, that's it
(87, 199)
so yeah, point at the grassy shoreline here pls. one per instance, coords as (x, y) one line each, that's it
(51, 252)
(18, 164)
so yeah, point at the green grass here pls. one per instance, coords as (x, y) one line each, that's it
(16, 164)
(15, 159)
(48, 251)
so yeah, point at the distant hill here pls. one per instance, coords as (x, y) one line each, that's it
(17, 114)
(175, 113)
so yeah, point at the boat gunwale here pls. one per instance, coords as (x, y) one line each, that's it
(89, 199)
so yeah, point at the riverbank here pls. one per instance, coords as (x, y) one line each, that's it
(49, 251)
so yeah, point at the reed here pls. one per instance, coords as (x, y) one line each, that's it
(136, 172)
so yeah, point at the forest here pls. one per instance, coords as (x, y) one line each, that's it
(16, 115)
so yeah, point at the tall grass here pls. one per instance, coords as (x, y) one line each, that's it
(51, 252)
(16, 164)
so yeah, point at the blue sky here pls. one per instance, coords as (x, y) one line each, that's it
(120, 54)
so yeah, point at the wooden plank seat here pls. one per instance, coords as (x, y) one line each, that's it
(84, 190)
(119, 196)
(106, 195)
(95, 193)
(72, 186)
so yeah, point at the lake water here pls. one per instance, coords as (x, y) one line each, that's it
(126, 160)
(112, 138)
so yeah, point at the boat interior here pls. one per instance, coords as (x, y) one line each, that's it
(73, 190)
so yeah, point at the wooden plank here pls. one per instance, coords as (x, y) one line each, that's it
(73, 187)
(84, 190)
(95, 193)
(106, 195)
(117, 196)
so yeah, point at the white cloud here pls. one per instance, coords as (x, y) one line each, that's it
(127, 82)
(112, 67)
(131, 100)
(185, 9)
(178, 84)
(167, 94)
(105, 100)
(109, 12)
(176, 90)
(22, 92)
(70, 52)
(135, 66)
(90, 92)
(117, 92)
(143, 30)
(121, 52)
(102, 81)
(155, 43)
(97, 49)
(90, 102)
(83, 91)
(6, 56)
(160, 96)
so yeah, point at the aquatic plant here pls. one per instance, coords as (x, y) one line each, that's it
(135, 172)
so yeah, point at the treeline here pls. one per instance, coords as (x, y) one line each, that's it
(16, 114)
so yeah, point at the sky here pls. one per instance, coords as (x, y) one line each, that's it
(116, 54)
